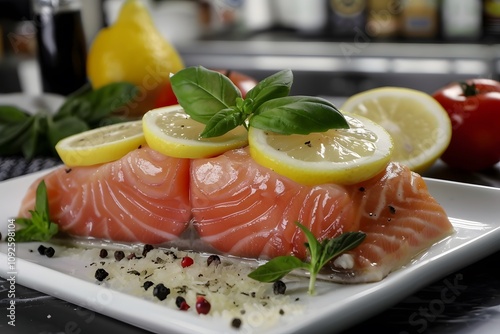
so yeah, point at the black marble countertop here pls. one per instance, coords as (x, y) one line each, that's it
(475, 307)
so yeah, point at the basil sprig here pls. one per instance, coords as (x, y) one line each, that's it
(211, 98)
(39, 227)
(31, 135)
(320, 253)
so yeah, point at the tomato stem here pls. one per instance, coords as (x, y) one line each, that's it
(468, 90)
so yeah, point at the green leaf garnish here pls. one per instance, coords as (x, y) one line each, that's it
(211, 98)
(320, 253)
(203, 93)
(297, 114)
(31, 135)
(39, 227)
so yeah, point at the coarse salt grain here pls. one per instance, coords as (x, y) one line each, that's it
(225, 286)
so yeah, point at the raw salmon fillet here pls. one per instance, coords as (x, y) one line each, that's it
(234, 206)
(244, 209)
(142, 197)
(247, 210)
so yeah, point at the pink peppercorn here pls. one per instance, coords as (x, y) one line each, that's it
(202, 305)
(186, 261)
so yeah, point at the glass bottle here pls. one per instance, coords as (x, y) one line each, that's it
(461, 20)
(491, 17)
(420, 19)
(347, 18)
(62, 50)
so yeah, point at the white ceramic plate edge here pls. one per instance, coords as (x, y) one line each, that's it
(473, 209)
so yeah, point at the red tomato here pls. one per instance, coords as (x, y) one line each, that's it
(166, 97)
(242, 81)
(474, 110)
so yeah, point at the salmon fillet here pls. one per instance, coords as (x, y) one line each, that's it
(237, 207)
(247, 210)
(143, 197)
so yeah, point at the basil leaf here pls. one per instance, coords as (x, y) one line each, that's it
(203, 93)
(312, 243)
(39, 227)
(76, 106)
(298, 115)
(345, 242)
(109, 98)
(113, 120)
(10, 114)
(222, 122)
(13, 131)
(42, 201)
(92, 106)
(14, 135)
(87, 87)
(65, 127)
(276, 268)
(275, 86)
(29, 146)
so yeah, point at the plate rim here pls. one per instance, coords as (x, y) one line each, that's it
(397, 279)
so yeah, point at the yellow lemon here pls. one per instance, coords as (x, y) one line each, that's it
(172, 132)
(104, 144)
(418, 124)
(133, 50)
(343, 156)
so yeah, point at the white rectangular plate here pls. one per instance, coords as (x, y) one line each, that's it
(473, 210)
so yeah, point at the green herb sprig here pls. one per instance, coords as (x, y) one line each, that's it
(39, 227)
(37, 134)
(320, 253)
(211, 98)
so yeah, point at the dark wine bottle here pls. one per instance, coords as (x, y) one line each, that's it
(62, 50)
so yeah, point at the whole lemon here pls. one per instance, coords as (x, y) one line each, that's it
(133, 50)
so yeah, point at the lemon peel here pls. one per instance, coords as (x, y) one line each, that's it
(343, 156)
(170, 131)
(104, 144)
(420, 127)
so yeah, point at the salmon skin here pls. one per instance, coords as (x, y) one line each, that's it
(234, 206)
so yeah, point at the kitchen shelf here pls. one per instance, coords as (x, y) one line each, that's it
(342, 68)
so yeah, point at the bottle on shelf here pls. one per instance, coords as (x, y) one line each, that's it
(62, 50)
(419, 19)
(346, 18)
(491, 19)
(383, 18)
(461, 20)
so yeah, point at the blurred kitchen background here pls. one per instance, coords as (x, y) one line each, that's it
(334, 47)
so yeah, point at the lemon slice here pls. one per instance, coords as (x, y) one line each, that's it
(420, 127)
(172, 132)
(343, 156)
(104, 144)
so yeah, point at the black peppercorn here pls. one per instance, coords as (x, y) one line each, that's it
(213, 259)
(49, 252)
(119, 255)
(279, 288)
(147, 285)
(236, 323)
(103, 253)
(147, 248)
(101, 274)
(41, 249)
(161, 291)
(181, 303)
